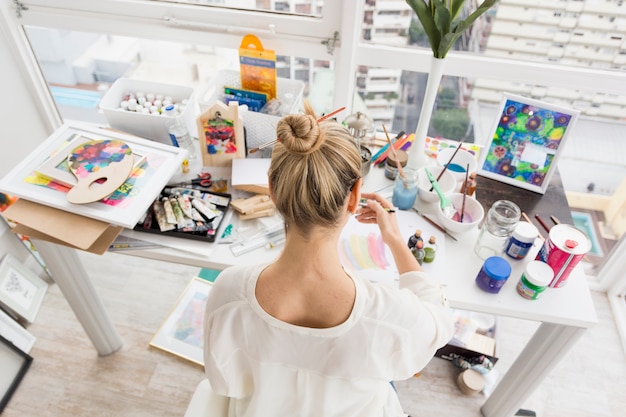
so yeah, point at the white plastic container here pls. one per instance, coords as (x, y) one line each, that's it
(149, 126)
(260, 127)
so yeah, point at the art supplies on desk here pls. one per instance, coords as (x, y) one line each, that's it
(186, 213)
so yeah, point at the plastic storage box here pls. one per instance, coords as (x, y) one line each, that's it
(149, 126)
(260, 127)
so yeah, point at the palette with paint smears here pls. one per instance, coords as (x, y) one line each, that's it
(100, 167)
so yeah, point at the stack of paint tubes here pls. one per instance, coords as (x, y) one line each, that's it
(150, 103)
(195, 213)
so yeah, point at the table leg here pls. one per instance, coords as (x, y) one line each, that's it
(545, 349)
(70, 275)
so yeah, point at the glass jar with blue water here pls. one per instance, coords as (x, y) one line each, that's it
(405, 190)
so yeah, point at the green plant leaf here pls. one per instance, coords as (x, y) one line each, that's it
(438, 18)
(425, 13)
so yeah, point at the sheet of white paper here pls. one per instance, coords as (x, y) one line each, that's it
(251, 171)
(534, 154)
(362, 250)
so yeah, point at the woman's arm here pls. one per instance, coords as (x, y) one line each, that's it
(390, 231)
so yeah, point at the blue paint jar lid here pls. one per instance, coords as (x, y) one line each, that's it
(497, 268)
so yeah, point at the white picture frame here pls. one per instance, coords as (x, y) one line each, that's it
(21, 290)
(526, 142)
(182, 333)
(16, 334)
(146, 182)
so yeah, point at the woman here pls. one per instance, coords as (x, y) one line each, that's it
(302, 336)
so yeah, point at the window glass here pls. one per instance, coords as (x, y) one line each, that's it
(300, 7)
(576, 32)
(80, 67)
(592, 164)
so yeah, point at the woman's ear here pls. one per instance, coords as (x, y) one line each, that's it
(355, 196)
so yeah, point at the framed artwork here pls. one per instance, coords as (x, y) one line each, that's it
(16, 334)
(182, 333)
(526, 142)
(122, 208)
(21, 291)
(14, 364)
(56, 168)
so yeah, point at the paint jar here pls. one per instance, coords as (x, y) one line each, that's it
(522, 240)
(565, 246)
(391, 165)
(493, 274)
(405, 190)
(534, 280)
(500, 222)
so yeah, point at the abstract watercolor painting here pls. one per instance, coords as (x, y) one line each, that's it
(526, 141)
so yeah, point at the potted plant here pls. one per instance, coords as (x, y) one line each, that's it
(443, 26)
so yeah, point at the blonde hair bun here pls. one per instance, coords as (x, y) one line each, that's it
(299, 133)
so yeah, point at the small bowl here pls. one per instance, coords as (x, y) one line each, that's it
(447, 183)
(474, 212)
(459, 163)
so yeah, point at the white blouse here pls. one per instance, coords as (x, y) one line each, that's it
(270, 368)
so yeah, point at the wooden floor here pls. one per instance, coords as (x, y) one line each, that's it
(67, 378)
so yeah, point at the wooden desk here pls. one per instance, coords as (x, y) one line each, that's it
(552, 203)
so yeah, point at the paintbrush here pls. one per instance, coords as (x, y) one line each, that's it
(395, 155)
(449, 162)
(275, 141)
(542, 223)
(464, 193)
(539, 235)
(436, 225)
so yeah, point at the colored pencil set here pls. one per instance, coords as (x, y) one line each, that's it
(402, 142)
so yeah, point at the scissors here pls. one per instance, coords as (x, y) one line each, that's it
(203, 180)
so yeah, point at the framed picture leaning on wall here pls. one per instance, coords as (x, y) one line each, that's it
(21, 290)
(526, 141)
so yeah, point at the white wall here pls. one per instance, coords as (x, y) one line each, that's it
(22, 126)
(22, 130)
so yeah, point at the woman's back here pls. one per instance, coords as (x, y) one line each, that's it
(270, 367)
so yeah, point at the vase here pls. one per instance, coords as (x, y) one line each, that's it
(417, 154)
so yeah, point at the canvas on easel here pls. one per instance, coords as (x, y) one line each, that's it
(220, 131)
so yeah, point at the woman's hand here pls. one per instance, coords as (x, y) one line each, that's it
(374, 212)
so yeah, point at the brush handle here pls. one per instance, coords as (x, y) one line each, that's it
(444, 202)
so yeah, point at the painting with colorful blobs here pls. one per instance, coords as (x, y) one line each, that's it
(219, 135)
(525, 142)
(139, 176)
(433, 146)
(92, 156)
(188, 328)
(364, 252)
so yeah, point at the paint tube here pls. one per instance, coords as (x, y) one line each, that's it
(185, 204)
(207, 210)
(170, 217)
(159, 213)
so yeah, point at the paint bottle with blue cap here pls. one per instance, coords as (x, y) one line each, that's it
(493, 274)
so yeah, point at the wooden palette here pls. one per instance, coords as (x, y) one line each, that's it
(100, 167)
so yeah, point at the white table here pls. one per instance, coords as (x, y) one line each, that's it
(564, 313)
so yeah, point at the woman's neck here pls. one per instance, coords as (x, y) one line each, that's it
(316, 255)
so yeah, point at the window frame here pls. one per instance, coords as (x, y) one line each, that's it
(293, 34)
